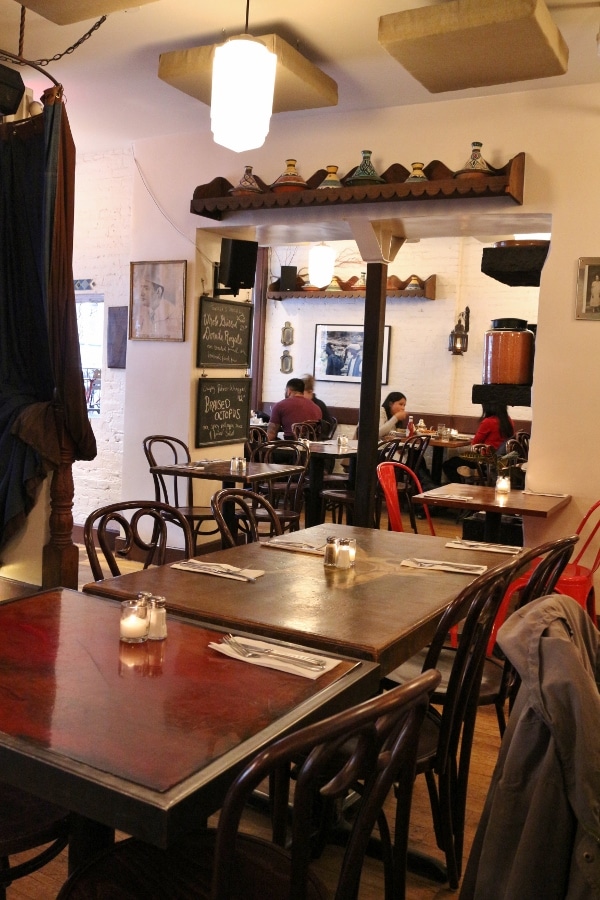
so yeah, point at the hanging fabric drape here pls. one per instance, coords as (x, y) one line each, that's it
(42, 398)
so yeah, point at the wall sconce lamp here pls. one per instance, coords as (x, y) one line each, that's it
(243, 83)
(458, 339)
(321, 260)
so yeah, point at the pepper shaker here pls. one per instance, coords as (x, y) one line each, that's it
(331, 553)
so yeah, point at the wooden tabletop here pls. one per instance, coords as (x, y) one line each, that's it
(11, 589)
(144, 738)
(379, 610)
(221, 471)
(469, 496)
(326, 449)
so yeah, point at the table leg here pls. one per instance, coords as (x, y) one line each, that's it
(437, 461)
(491, 527)
(313, 505)
(86, 839)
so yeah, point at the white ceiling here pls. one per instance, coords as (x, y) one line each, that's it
(114, 95)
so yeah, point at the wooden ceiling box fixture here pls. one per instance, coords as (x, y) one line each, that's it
(65, 12)
(464, 44)
(298, 83)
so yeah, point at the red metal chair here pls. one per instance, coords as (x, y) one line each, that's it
(576, 581)
(387, 474)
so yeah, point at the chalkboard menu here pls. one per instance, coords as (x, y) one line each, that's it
(224, 330)
(223, 411)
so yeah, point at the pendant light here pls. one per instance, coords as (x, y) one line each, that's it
(321, 259)
(243, 82)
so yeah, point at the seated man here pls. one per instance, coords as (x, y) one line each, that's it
(294, 408)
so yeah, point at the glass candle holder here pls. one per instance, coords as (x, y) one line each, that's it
(135, 621)
(352, 551)
(502, 484)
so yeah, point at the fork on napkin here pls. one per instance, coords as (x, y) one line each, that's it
(447, 496)
(297, 546)
(273, 656)
(220, 570)
(441, 565)
(544, 494)
(481, 545)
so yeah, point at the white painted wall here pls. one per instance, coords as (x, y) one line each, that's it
(559, 130)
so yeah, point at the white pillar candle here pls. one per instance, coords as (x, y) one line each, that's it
(133, 627)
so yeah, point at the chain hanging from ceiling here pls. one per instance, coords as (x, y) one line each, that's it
(57, 56)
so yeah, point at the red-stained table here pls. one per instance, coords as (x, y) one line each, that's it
(143, 738)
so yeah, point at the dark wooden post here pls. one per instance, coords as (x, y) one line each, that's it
(60, 557)
(370, 392)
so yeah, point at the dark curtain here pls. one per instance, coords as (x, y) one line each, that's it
(42, 398)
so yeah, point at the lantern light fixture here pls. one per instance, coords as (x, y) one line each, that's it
(243, 84)
(458, 340)
(321, 260)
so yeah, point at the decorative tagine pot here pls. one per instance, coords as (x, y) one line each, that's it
(508, 353)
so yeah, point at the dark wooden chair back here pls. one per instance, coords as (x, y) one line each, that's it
(143, 527)
(249, 508)
(307, 431)
(161, 449)
(380, 739)
(285, 494)
(414, 450)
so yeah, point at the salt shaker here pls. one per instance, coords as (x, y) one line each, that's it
(331, 553)
(158, 619)
(343, 557)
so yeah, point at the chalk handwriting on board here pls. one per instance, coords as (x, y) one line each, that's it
(222, 411)
(224, 334)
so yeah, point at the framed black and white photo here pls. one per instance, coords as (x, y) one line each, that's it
(339, 353)
(588, 289)
(157, 301)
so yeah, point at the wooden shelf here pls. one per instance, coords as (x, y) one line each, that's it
(214, 200)
(426, 291)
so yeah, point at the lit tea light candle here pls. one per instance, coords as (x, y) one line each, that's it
(133, 627)
(503, 484)
(352, 550)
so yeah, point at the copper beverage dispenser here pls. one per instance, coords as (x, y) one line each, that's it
(508, 353)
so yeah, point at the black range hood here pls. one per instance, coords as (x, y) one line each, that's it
(516, 263)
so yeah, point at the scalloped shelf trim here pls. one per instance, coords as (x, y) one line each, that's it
(213, 200)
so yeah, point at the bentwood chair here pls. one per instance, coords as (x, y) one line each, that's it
(28, 824)
(142, 528)
(307, 431)
(177, 490)
(446, 739)
(285, 494)
(225, 864)
(250, 510)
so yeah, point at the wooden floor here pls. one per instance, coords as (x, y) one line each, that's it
(46, 883)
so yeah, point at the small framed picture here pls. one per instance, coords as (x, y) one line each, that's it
(588, 288)
(157, 301)
(339, 353)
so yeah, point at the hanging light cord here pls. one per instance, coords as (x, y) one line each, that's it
(247, 15)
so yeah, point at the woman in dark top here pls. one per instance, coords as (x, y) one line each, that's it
(495, 428)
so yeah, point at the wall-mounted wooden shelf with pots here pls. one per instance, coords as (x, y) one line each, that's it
(214, 200)
(426, 290)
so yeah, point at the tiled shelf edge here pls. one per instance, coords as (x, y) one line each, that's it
(214, 201)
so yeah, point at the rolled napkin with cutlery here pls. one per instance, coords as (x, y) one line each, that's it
(544, 494)
(446, 496)
(278, 543)
(219, 570)
(442, 565)
(274, 656)
(482, 546)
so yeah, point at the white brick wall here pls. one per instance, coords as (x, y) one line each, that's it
(103, 213)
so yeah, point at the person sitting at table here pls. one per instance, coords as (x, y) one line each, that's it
(495, 428)
(309, 393)
(392, 411)
(295, 407)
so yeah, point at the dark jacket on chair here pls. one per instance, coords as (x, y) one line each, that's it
(539, 834)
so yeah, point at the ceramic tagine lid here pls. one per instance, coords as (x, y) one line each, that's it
(417, 173)
(247, 184)
(413, 284)
(476, 164)
(331, 180)
(289, 180)
(365, 173)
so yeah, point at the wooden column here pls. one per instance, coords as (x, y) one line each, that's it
(370, 392)
(60, 557)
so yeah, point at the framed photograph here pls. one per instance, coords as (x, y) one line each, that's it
(157, 301)
(339, 353)
(222, 411)
(224, 332)
(588, 288)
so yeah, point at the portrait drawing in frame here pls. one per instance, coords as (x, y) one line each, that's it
(339, 353)
(157, 300)
(588, 289)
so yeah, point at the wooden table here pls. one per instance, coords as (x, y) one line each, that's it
(11, 589)
(144, 738)
(378, 611)
(476, 497)
(320, 451)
